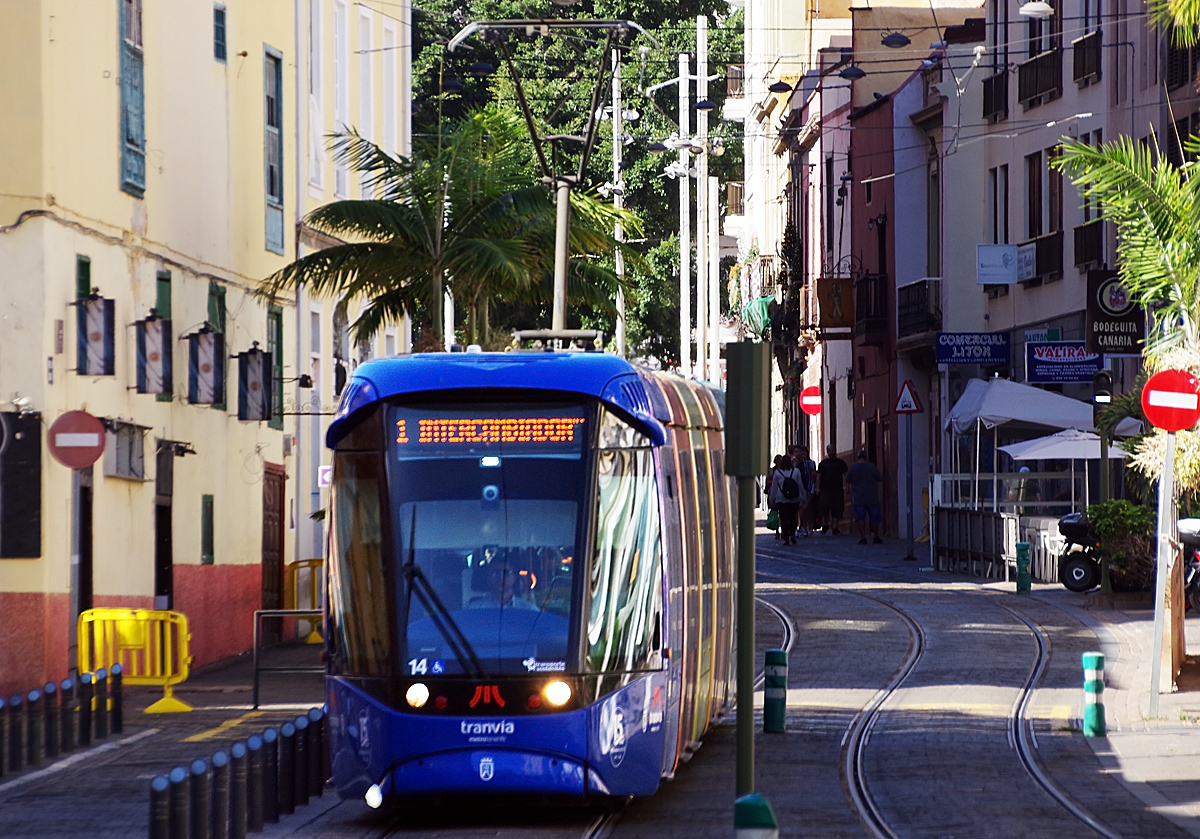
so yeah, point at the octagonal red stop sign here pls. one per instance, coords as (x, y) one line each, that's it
(810, 400)
(76, 439)
(1171, 400)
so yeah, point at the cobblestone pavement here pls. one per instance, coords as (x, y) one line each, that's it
(938, 762)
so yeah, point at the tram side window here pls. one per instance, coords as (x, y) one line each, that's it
(357, 590)
(624, 628)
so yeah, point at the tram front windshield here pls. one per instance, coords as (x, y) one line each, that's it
(486, 504)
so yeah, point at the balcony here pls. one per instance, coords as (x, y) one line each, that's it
(1040, 78)
(1048, 258)
(995, 97)
(735, 76)
(1089, 243)
(870, 308)
(1087, 59)
(918, 311)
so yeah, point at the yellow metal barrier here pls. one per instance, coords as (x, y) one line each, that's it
(291, 589)
(150, 645)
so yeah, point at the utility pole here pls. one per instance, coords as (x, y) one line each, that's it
(685, 225)
(714, 292)
(618, 196)
(702, 201)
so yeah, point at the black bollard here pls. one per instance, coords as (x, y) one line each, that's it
(160, 808)
(287, 769)
(52, 718)
(198, 799)
(85, 709)
(66, 708)
(179, 819)
(219, 819)
(270, 776)
(237, 791)
(254, 784)
(301, 738)
(16, 733)
(326, 766)
(316, 733)
(35, 736)
(100, 686)
(118, 699)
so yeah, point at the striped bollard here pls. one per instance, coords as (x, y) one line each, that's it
(775, 678)
(1093, 695)
(753, 818)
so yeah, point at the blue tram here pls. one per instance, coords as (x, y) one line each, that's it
(530, 584)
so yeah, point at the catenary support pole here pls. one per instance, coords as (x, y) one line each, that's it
(908, 482)
(562, 189)
(701, 201)
(1166, 508)
(1105, 495)
(714, 291)
(618, 144)
(685, 223)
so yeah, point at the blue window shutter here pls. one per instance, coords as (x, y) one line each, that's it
(273, 148)
(133, 103)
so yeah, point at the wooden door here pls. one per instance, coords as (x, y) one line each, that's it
(272, 546)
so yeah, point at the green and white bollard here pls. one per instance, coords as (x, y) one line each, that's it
(1093, 695)
(1024, 581)
(753, 818)
(775, 691)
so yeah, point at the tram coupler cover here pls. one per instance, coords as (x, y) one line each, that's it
(775, 678)
(1024, 581)
(753, 818)
(1093, 695)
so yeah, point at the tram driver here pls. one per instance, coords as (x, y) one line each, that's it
(500, 585)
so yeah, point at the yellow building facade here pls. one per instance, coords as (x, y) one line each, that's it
(157, 157)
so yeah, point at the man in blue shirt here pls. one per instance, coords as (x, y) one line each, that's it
(864, 479)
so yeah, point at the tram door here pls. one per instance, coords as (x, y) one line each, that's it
(272, 548)
(690, 642)
(672, 547)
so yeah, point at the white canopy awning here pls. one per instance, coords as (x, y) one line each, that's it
(1065, 445)
(994, 402)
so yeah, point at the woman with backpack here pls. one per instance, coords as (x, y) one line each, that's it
(787, 494)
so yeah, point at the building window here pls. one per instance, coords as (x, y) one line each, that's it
(162, 307)
(316, 120)
(133, 101)
(1033, 195)
(207, 530)
(366, 93)
(1054, 191)
(273, 147)
(341, 91)
(124, 451)
(998, 204)
(390, 47)
(275, 348)
(83, 276)
(219, 33)
(1044, 33)
(933, 221)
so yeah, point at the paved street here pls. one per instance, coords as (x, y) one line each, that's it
(937, 760)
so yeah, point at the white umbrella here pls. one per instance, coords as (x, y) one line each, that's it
(1065, 445)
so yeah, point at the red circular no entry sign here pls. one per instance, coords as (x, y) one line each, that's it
(810, 400)
(1171, 400)
(76, 439)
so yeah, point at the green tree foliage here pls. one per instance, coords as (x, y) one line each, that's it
(462, 211)
(559, 73)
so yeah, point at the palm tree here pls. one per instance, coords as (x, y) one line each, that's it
(463, 211)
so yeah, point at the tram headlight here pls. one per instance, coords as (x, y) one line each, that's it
(374, 796)
(557, 693)
(417, 694)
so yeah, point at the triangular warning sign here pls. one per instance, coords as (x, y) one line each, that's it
(906, 402)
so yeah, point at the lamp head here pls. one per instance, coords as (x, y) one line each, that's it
(895, 40)
(1037, 9)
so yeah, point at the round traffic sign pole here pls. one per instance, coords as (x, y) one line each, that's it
(810, 400)
(1171, 400)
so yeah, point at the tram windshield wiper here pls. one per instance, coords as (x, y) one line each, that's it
(419, 585)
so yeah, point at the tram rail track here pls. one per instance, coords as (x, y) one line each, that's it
(1021, 737)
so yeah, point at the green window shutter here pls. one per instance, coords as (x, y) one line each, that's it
(162, 305)
(216, 319)
(83, 276)
(275, 348)
(206, 530)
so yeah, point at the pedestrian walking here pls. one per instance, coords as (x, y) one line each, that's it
(788, 494)
(831, 491)
(864, 479)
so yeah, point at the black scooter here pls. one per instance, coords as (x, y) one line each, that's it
(1079, 565)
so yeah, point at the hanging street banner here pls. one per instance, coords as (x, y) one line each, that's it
(1060, 363)
(973, 348)
(1115, 323)
(996, 264)
(835, 302)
